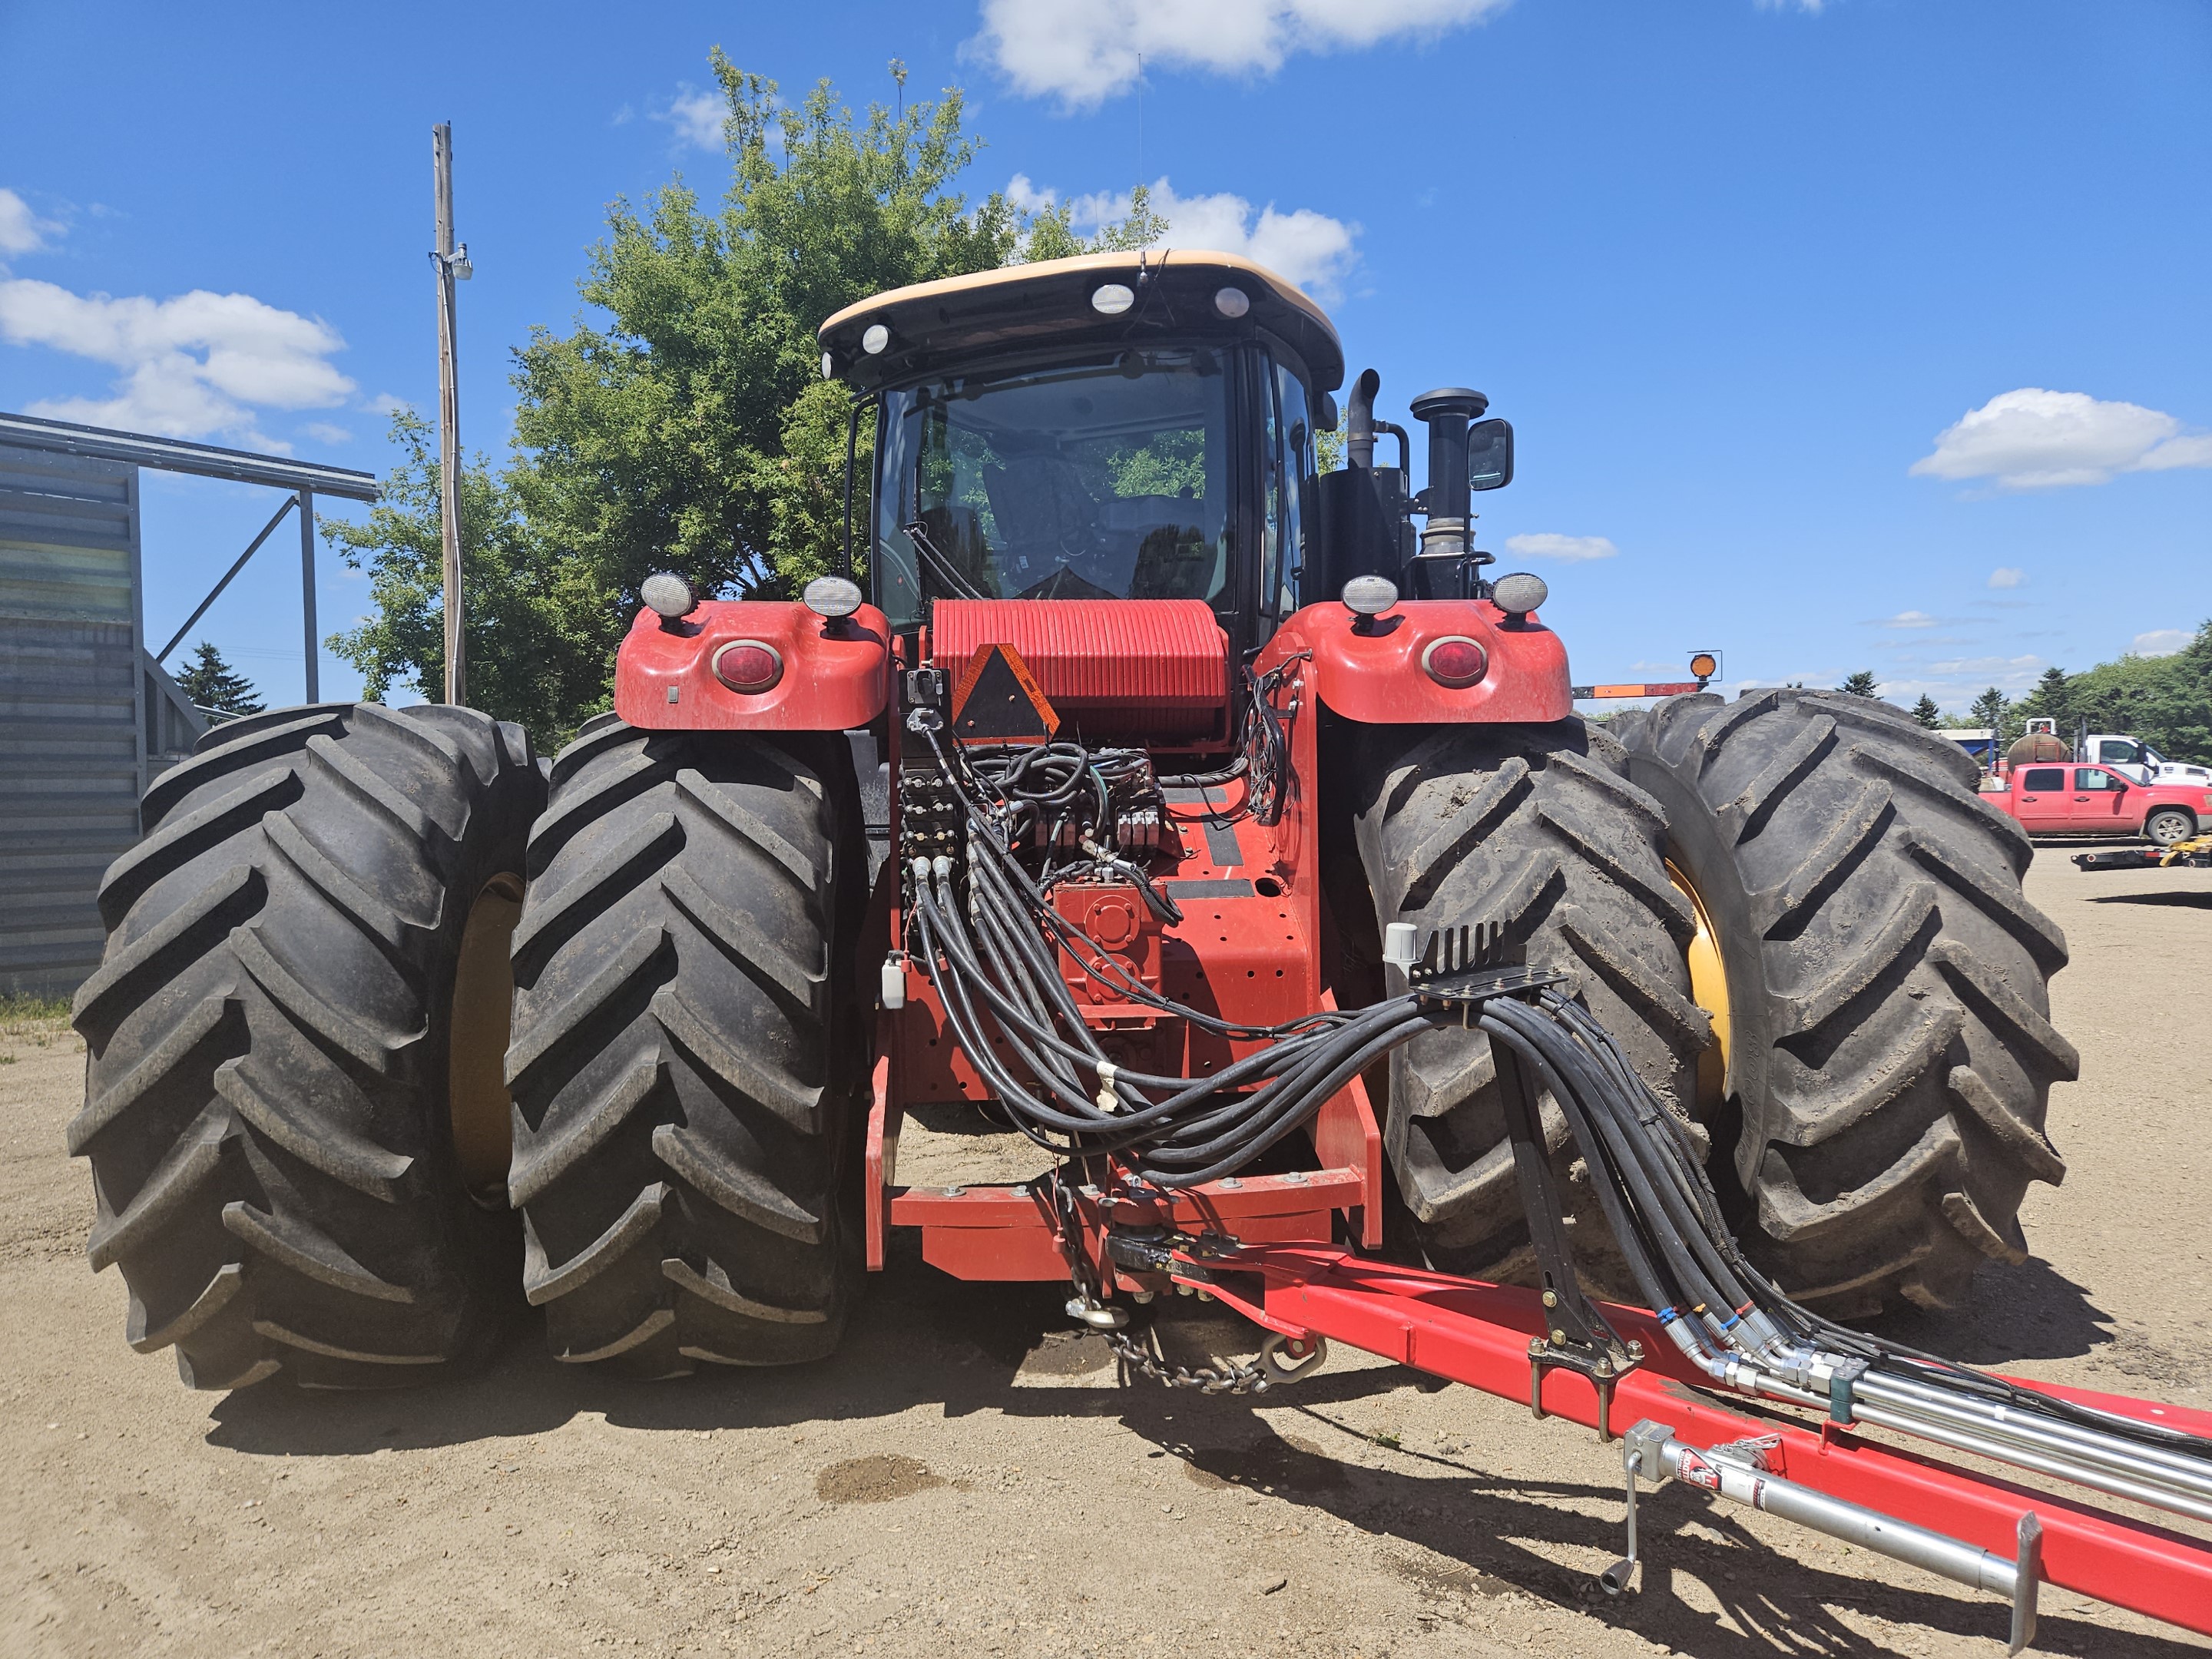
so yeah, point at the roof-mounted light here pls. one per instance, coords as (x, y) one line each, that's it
(874, 339)
(1112, 299)
(1232, 302)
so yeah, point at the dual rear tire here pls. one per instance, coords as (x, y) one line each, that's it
(298, 1092)
(1882, 977)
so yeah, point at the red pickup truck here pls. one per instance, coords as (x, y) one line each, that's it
(2096, 800)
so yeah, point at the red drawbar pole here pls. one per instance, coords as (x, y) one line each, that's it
(1478, 1335)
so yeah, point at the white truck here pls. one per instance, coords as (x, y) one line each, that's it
(2132, 757)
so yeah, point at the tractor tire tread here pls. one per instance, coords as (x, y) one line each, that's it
(1890, 1046)
(1540, 830)
(272, 1171)
(684, 1086)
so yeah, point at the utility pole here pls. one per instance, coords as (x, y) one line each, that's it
(453, 265)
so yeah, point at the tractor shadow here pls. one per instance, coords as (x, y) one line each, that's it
(1711, 1587)
(1474, 1536)
(2191, 899)
(2029, 1312)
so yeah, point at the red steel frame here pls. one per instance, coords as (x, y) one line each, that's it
(1478, 1335)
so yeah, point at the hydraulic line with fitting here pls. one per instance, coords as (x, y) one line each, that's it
(1726, 1384)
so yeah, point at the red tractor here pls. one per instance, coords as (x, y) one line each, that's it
(1158, 760)
(1193, 882)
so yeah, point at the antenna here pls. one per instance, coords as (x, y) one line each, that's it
(1140, 117)
(898, 75)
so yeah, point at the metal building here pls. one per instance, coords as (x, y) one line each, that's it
(88, 715)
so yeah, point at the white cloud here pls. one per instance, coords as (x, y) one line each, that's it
(2001, 669)
(695, 116)
(1310, 248)
(194, 366)
(1549, 545)
(324, 433)
(1025, 195)
(22, 231)
(2007, 575)
(1085, 54)
(2031, 439)
(2162, 641)
(387, 402)
(1911, 619)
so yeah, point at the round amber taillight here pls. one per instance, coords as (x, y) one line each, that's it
(748, 667)
(1456, 661)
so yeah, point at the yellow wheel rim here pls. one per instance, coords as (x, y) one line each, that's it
(476, 1072)
(1709, 990)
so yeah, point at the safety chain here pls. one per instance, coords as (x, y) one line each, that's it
(1230, 1378)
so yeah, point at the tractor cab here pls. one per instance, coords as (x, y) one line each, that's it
(1135, 426)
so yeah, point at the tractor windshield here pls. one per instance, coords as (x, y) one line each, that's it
(1103, 480)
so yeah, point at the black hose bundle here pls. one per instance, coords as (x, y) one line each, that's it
(1667, 1218)
(994, 961)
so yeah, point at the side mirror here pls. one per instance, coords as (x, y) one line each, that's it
(1325, 417)
(1489, 455)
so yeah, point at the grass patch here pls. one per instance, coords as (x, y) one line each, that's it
(38, 1019)
(49, 1010)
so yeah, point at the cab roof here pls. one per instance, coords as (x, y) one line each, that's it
(934, 325)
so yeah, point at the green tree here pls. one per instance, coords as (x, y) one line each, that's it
(1926, 712)
(2051, 699)
(542, 625)
(211, 683)
(692, 431)
(1999, 713)
(685, 425)
(2164, 700)
(1860, 685)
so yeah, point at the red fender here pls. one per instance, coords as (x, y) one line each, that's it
(1374, 674)
(836, 675)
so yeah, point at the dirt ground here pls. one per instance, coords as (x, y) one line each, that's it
(967, 1477)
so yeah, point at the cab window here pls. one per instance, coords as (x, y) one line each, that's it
(2095, 777)
(1108, 479)
(2043, 778)
(1288, 489)
(2113, 749)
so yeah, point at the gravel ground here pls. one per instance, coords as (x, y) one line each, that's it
(967, 1477)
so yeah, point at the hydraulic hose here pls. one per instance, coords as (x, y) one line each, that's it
(995, 958)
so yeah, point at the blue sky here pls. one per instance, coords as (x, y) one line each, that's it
(1734, 269)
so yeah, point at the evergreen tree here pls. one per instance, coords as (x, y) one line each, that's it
(1860, 685)
(211, 683)
(2000, 714)
(2049, 699)
(2164, 700)
(1926, 712)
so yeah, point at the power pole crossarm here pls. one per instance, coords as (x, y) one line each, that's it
(449, 266)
